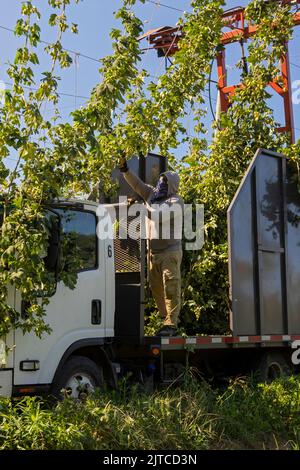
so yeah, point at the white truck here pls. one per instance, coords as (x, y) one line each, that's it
(98, 328)
(81, 320)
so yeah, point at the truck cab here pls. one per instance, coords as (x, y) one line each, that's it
(79, 318)
(107, 302)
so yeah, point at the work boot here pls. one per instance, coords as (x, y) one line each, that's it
(167, 330)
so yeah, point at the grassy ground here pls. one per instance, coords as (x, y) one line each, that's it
(195, 416)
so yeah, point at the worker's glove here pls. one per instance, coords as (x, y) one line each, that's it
(131, 200)
(123, 165)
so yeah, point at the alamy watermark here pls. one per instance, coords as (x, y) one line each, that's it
(296, 354)
(165, 221)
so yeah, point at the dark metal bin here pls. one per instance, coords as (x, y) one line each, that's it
(264, 249)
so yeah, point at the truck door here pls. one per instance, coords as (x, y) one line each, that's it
(73, 314)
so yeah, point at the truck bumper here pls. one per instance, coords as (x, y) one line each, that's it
(6, 382)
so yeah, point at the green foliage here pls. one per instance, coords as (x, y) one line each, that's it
(119, 117)
(54, 165)
(245, 416)
(212, 178)
(31, 183)
(124, 115)
(265, 413)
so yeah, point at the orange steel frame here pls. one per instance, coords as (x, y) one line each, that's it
(165, 40)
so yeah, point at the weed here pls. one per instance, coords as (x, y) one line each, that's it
(193, 416)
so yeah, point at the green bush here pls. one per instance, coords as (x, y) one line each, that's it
(261, 415)
(194, 416)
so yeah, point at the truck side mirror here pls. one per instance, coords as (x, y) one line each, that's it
(53, 253)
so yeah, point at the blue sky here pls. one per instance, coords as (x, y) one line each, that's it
(95, 20)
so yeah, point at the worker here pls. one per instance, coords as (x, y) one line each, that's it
(165, 253)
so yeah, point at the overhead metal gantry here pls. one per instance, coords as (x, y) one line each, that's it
(165, 41)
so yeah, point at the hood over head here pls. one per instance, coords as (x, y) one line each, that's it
(173, 182)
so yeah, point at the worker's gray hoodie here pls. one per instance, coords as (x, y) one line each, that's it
(158, 245)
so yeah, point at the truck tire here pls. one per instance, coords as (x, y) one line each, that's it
(272, 365)
(79, 378)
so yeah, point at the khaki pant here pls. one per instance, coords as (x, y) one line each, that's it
(165, 282)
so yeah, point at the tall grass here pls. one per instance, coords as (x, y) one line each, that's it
(194, 416)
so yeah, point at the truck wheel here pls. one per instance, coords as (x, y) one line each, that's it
(79, 378)
(271, 366)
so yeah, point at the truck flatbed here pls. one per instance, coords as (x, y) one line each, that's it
(205, 342)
